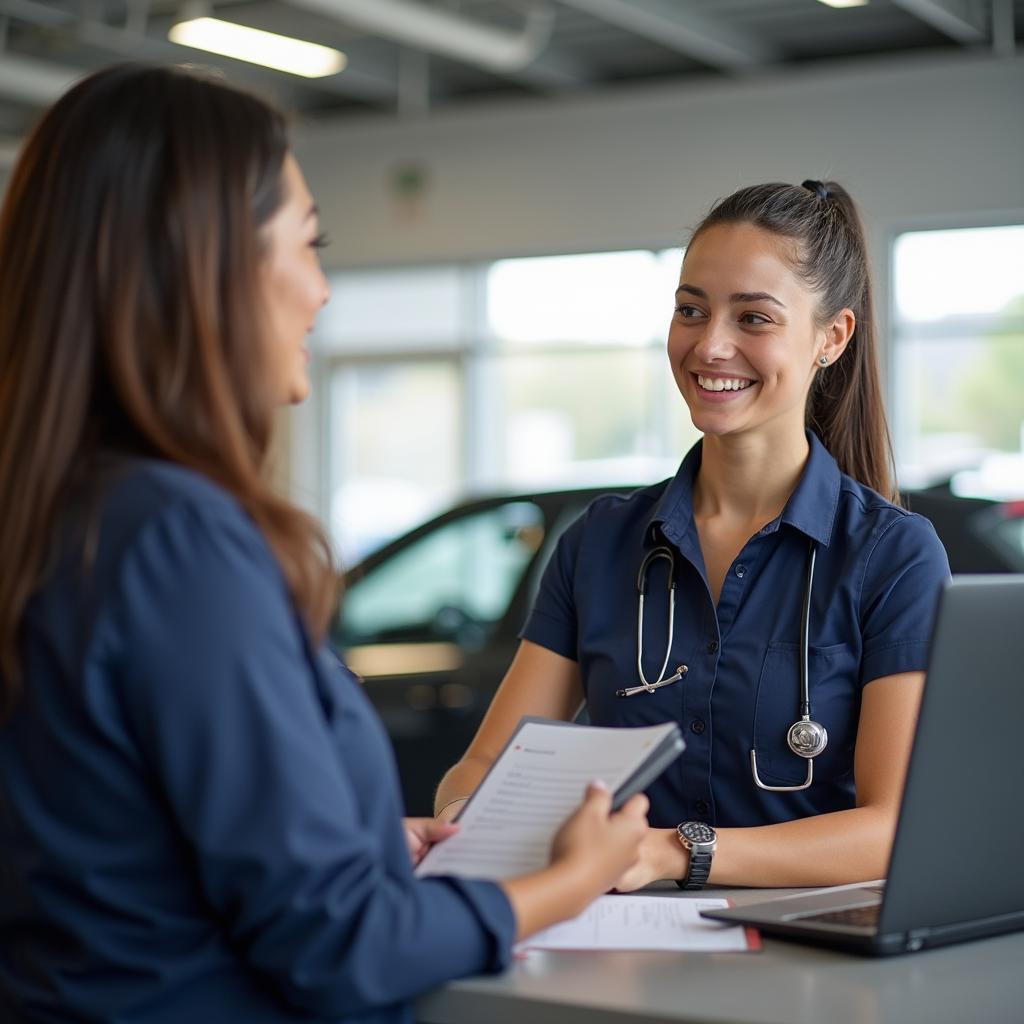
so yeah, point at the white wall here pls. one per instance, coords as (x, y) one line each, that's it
(914, 140)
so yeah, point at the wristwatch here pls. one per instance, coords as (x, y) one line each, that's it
(701, 840)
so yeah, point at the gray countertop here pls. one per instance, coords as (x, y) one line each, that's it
(970, 983)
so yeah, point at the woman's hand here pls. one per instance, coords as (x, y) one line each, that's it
(452, 808)
(422, 833)
(589, 852)
(600, 845)
(661, 855)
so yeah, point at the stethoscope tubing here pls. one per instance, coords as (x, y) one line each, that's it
(805, 737)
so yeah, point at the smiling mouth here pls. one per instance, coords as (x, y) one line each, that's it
(723, 383)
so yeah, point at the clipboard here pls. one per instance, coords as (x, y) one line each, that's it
(536, 782)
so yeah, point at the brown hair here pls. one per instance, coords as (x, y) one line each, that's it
(129, 258)
(845, 406)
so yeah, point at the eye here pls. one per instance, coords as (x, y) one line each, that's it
(689, 312)
(754, 319)
(321, 241)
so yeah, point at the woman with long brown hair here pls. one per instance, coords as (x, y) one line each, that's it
(772, 598)
(199, 816)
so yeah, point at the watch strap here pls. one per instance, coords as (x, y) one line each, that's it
(700, 868)
(700, 841)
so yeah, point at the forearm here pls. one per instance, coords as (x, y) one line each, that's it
(546, 897)
(828, 849)
(459, 781)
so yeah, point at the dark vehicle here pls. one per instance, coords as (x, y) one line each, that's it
(430, 622)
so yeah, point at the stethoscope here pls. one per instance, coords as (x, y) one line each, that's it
(806, 738)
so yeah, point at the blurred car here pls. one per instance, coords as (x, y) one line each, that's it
(430, 621)
(979, 535)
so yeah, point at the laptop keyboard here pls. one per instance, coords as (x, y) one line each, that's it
(864, 917)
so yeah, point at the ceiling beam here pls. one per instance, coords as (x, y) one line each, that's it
(676, 25)
(962, 20)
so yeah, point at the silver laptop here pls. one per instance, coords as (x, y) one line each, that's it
(957, 865)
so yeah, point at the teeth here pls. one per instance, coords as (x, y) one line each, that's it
(723, 383)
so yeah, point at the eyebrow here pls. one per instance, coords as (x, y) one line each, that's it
(313, 211)
(692, 289)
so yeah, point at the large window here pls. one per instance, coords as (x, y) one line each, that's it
(550, 372)
(547, 372)
(958, 359)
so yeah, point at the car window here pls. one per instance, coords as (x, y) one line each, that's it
(454, 583)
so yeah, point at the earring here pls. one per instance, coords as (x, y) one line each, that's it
(823, 360)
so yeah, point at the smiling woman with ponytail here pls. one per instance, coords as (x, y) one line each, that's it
(778, 545)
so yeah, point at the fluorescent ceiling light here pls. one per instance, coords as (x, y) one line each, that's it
(844, 3)
(294, 56)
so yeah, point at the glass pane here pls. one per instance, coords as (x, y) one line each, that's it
(570, 419)
(397, 309)
(453, 584)
(622, 298)
(394, 449)
(961, 272)
(961, 407)
(959, 359)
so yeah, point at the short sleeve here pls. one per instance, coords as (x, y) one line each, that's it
(552, 621)
(220, 688)
(904, 575)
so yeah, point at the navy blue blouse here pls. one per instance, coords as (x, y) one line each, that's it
(878, 573)
(199, 813)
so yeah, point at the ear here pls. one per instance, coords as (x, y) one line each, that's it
(836, 336)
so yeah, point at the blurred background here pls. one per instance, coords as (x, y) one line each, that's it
(508, 185)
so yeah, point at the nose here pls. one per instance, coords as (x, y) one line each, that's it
(715, 342)
(325, 290)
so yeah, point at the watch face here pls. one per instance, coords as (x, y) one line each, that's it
(697, 832)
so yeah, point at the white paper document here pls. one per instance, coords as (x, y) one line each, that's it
(646, 923)
(540, 778)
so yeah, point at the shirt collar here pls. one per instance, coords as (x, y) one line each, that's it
(811, 508)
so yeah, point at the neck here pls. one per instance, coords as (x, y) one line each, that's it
(747, 479)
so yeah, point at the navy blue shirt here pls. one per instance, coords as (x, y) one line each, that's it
(878, 573)
(199, 812)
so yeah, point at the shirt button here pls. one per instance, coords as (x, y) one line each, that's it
(701, 806)
(697, 726)
(741, 571)
(712, 646)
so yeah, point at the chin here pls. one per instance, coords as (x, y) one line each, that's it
(299, 391)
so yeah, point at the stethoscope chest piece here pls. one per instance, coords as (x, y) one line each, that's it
(807, 738)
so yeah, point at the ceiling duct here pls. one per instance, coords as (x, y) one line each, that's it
(444, 33)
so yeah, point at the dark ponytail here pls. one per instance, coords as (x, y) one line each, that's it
(844, 407)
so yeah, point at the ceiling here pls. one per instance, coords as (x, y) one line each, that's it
(411, 57)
